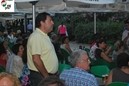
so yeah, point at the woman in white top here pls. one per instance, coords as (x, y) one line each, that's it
(15, 62)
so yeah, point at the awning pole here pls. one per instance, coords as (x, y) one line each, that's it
(33, 13)
(94, 23)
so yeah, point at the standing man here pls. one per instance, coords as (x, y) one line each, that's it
(79, 76)
(41, 56)
(125, 34)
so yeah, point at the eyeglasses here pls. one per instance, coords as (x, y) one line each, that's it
(86, 60)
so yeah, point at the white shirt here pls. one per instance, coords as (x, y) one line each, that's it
(15, 65)
(92, 51)
(124, 35)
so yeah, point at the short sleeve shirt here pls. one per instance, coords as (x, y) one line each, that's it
(40, 43)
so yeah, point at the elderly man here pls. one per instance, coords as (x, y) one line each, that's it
(78, 76)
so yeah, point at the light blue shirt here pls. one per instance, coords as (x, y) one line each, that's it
(78, 77)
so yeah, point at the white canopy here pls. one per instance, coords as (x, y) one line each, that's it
(95, 1)
(69, 6)
(41, 5)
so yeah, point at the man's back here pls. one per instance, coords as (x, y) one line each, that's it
(78, 77)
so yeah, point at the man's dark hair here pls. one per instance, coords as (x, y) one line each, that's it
(51, 80)
(122, 60)
(41, 17)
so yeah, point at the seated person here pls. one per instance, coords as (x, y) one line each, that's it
(121, 72)
(51, 81)
(119, 48)
(79, 76)
(15, 63)
(55, 42)
(7, 79)
(65, 44)
(102, 51)
(92, 51)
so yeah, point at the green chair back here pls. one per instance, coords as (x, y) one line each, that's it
(100, 71)
(65, 55)
(64, 52)
(87, 50)
(63, 67)
(118, 84)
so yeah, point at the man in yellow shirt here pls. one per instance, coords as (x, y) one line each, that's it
(41, 56)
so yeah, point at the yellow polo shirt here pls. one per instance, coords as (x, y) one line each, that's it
(40, 43)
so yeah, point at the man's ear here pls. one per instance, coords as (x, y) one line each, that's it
(41, 22)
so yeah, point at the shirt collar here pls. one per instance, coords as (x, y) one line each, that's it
(80, 69)
(37, 29)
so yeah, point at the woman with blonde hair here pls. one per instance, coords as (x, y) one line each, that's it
(8, 79)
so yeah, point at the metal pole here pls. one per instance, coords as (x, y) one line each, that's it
(25, 23)
(33, 13)
(125, 7)
(94, 23)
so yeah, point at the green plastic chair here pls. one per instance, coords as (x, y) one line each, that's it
(63, 66)
(87, 50)
(118, 84)
(65, 55)
(100, 71)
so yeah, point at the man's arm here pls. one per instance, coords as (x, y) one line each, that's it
(40, 65)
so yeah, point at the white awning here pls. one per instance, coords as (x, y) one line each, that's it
(95, 1)
(25, 0)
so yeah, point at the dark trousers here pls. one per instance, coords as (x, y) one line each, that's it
(35, 78)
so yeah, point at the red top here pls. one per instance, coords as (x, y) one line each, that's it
(3, 59)
(62, 29)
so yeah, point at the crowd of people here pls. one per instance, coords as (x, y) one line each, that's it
(34, 60)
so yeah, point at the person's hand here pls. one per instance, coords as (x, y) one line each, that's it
(108, 48)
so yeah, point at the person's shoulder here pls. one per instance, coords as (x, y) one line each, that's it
(17, 58)
(65, 72)
(87, 74)
(35, 33)
(32, 36)
(69, 71)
